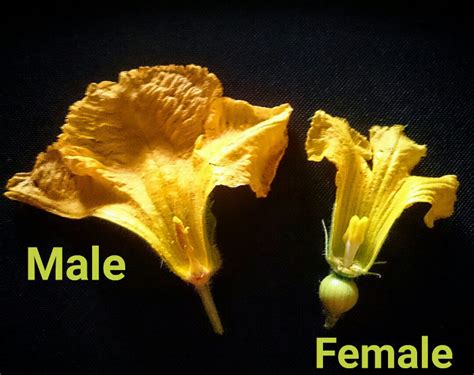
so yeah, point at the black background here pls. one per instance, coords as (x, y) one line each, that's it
(409, 63)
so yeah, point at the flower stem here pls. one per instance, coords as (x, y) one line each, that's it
(206, 297)
(330, 321)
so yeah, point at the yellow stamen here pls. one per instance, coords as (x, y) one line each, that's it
(354, 236)
(198, 273)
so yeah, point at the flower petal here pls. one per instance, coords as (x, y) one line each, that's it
(332, 138)
(392, 189)
(440, 192)
(162, 107)
(254, 142)
(54, 188)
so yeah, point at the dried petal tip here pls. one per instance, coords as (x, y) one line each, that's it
(338, 295)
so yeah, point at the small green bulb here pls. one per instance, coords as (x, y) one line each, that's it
(338, 295)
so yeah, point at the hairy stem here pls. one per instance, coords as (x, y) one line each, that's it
(206, 297)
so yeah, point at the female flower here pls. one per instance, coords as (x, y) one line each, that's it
(369, 198)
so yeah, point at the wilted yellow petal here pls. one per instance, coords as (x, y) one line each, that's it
(378, 193)
(146, 152)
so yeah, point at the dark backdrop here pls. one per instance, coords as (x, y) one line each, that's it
(405, 64)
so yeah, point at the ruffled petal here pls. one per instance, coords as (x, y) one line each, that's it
(146, 152)
(244, 144)
(332, 138)
(439, 192)
(392, 189)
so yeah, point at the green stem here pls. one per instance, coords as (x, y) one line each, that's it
(330, 321)
(206, 297)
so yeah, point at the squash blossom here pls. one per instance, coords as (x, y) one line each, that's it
(146, 152)
(369, 198)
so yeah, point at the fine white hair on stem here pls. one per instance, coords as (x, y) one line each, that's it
(326, 239)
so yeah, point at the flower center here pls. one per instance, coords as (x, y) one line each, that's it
(198, 273)
(354, 237)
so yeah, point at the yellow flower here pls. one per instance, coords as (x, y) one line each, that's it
(146, 152)
(370, 197)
